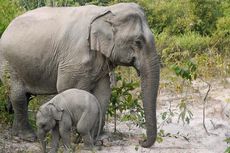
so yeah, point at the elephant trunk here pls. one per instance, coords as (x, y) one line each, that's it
(150, 73)
(41, 137)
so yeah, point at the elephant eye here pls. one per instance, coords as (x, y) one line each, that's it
(42, 125)
(138, 43)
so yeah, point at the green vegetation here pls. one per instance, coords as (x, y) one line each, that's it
(9, 9)
(227, 140)
(125, 99)
(192, 38)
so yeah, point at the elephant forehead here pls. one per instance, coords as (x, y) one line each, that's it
(43, 112)
(39, 115)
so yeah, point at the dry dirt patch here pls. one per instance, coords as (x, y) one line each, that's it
(180, 138)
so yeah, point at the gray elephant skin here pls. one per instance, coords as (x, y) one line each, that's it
(71, 109)
(49, 50)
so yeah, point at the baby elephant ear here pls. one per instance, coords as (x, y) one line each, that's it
(56, 112)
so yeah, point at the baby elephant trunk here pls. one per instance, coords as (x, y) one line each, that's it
(41, 137)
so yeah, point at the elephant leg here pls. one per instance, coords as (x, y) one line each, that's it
(66, 137)
(65, 131)
(84, 131)
(19, 97)
(55, 139)
(102, 91)
(84, 128)
(88, 140)
(9, 107)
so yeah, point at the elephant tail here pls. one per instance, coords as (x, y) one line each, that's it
(100, 120)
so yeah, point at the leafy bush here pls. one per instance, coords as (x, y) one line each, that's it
(9, 9)
(32, 4)
(182, 47)
(187, 73)
(221, 37)
(207, 13)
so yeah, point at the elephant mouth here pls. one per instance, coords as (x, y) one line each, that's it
(138, 72)
(136, 65)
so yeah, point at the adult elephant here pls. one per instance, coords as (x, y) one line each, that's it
(49, 50)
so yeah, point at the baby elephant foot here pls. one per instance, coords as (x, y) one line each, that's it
(103, 140)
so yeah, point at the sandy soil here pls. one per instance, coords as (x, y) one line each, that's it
(177, 138)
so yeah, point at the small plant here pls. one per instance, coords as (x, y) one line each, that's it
(227, 140)
(160, 136)
(188, 73)
(185, 114)
(124, 101)
(166, 116)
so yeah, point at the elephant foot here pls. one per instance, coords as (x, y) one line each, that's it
(26, 134)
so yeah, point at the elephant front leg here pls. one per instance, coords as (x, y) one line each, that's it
(55, 139)
(65, 135)
(65, 131)
(102, 91)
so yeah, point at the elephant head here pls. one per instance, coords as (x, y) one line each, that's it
(46, 119)
(124, 37)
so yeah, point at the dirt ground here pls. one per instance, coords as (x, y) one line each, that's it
(177, 137)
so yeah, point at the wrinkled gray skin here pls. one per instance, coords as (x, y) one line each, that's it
(49, 50)
(72, 108)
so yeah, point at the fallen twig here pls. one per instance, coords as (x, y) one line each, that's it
(204, 104)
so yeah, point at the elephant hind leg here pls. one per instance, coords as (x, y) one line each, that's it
(88, 140)
(84, 127)
(19, 100)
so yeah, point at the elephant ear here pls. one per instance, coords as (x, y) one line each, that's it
(102, 34)
(56, 111)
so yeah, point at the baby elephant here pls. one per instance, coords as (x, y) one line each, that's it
(71, 108)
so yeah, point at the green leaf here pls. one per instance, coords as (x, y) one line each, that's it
(227, 150)
(159, 139)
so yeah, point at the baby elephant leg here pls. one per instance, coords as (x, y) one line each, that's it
(88, 140)
(55, 139)
(84, 127)
(65, 132)
(65, 135)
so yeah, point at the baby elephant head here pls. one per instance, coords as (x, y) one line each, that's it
(46, 118)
